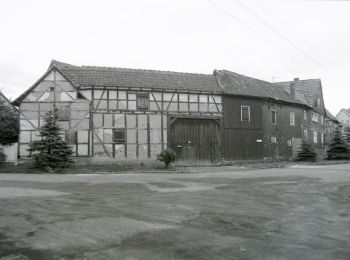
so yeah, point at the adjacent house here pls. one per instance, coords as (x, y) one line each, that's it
(310, 93)
(343, 117)
(134, 114)
(261, 120)
(332, 124)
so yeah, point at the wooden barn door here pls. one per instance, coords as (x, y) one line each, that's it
(195, 140)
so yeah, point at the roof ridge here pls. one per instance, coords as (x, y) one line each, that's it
(143, 70)
(299, 80)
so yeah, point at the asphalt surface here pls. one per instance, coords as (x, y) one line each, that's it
(300, 212)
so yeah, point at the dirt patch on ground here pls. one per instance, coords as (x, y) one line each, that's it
(14, 192)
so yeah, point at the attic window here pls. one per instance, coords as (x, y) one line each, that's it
(142, 100)
(119, 135)
(245, 113)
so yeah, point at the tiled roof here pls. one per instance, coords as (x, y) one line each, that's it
(88, 76)
(237, 84)
(305, 91)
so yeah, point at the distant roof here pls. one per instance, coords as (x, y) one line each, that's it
(346, 111)
(305, 90)
(330, 116)
(237, 84)
(89, 76)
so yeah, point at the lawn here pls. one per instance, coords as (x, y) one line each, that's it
(260, 214)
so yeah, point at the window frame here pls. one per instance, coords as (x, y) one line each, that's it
(305, 115)
(114, 139)
(315, 137)
(292, 118)
(305, 134)
(273, 139)
(244, 106)
(140, 96)
(315, 117)
(274, 116)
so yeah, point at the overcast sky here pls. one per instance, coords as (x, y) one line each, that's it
(270, 40)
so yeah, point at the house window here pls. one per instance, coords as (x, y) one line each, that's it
(273, 116)
(142, 100)
(63, 113)
(305, 134)
(273, 139)
(314, 117)
(322, 138)
(292, 118)
(305, 115)
(321, 119)
(289, 142)
(245, 113)
(71, 137)
(119, 135)
(315, 137)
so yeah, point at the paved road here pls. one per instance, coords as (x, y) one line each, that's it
(301, 212)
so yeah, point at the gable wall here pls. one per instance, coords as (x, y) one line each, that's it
(54, 91)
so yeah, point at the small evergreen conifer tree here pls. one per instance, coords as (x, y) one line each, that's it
(338, 149)
(51, 151)
(8, 125)
(306, 153)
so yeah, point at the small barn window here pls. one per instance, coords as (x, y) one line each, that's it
(305, 134)
(273, 116)
(245, 113)
(63, 113)
(289, 142)
(273, 139)
(142, 100)
(315, 137)
(292, 118)
(119, 135)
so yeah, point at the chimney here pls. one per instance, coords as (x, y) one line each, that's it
(292, 89)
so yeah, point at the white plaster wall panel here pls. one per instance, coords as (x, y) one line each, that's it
(83, 149)
(23, 150)
(203, 107)
(193, 98)
(108, 120)
(155, 136)
(142, 122)
(157, 96)
(97, 120)
(131, 136)
(33, 96)
(219, 107)
(46, 107)
(26, 125)
(109, 148)
(83, 136)
(98, 136)
(143, 150)
(183, 97)
(78, 114)
(173, 106)
(155, 150)
(101, 104)
(153, 106)
(119, 151)
(107, 136)
(183, 107)
(121, 94)
(155, 121)
(131, 121)
(142, 136)
(165, 120)
(119, 120)
(132, 105)
(203, 98)
(43, 86)
(131, 151)
(80, 105)
(65, 96)
(30, 106)
(24, 137)
(167, 96)
(30, 115)
(65, 86)
(165, 105)
(121, 104)
(194, 107)
(50, 76)
(165, 136)
(213, 108)
(113, 105)
(97, 94)
(47, 97)
(59, 76)
(112, 94)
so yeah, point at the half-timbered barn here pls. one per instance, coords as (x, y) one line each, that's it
(126, 113)
(261, 120)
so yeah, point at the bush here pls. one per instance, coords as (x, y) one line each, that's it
(167, 156)
(2, 157)
(306, 153)
(338, 149)
(8, 125)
